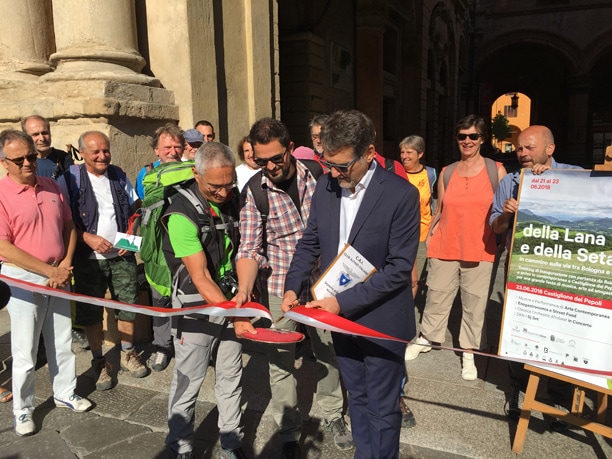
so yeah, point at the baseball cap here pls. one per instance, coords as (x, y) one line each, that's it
(193, 136)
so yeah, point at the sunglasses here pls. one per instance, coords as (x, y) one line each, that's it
(19, 161)
(471, 136)
(276, 159)
(342, 168)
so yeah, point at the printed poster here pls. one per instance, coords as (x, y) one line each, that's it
(558, 305)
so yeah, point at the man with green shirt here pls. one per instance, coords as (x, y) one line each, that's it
(199, 246)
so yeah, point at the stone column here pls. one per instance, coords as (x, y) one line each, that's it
(26, 39)
(97, 40)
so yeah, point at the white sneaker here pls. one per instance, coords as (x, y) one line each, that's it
(413, 350)
(24, 425)
(469, 371)
(75, 403)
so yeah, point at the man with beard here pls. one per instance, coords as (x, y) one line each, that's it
(288, 185)
(377, 213)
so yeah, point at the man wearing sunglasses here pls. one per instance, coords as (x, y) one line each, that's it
(289, 186)
(378, 213)
(37, 240)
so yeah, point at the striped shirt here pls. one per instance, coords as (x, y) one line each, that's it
(284, 227)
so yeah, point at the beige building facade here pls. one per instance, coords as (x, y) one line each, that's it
(125, 67)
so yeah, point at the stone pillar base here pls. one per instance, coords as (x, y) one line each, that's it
(127, 113)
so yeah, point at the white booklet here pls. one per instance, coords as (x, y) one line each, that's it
(347, 269)
(127, 242)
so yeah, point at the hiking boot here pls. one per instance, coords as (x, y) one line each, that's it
(160, 360)
(75, 402)
(413, 350)
(237, 453)
(291, 450)
(24, 425)
(343, 439)
(407, 416)
(130, 361)
(102, 373)
(80, 338)
(469, 371)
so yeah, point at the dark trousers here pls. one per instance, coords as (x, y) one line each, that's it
(372, 371)
(559, 391)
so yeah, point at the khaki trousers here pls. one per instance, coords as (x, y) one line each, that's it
(444, 279)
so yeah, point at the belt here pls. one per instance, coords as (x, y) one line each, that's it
(8, 263)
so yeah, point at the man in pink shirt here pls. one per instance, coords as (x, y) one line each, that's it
(37, 240)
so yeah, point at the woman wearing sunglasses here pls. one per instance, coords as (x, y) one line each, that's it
(462, 246)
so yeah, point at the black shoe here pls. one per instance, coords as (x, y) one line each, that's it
(79, 337)
(160, 360)
(187, 455)
(514, 410)
(407, 416)
(343, 439)
(291, 450)
(237, 453)
(557, 424)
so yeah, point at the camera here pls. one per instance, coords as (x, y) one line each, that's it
(228, 283)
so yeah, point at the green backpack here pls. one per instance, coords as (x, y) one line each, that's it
(160, 185)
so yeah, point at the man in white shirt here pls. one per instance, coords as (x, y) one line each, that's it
(102, 199)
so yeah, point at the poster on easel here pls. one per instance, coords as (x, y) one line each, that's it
(558, 303)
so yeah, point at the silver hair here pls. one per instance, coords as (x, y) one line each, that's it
(413, 141)
(82, 145)
(213, 154)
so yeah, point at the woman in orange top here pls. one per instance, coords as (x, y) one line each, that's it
(461, 248)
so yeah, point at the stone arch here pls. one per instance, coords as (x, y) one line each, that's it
(596, 50)
(564, 49)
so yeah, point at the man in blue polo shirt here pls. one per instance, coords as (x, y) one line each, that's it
(536, 146)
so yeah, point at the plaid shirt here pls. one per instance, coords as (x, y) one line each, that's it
(284, 227)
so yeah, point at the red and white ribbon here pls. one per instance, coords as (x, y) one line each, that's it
(224, 309)
(327, 321)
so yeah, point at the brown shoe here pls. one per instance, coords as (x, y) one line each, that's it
(130, 361)
(102, 370)
(407, 416)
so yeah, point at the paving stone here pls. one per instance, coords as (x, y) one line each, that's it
(98, 433)
(48, 444)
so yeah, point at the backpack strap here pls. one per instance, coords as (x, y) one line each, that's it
(313, 166)
(260, 196)
(73, 182)
(432, 177)
(448, 172)
(491, 172)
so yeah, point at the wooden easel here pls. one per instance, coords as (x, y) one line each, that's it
(574, 417)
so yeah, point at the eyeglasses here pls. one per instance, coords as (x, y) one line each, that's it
(217, 188)
(471, 136)
(342, 168)
(276, 159)
(19, 161)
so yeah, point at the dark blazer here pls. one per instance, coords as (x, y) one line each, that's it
(386, 232)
